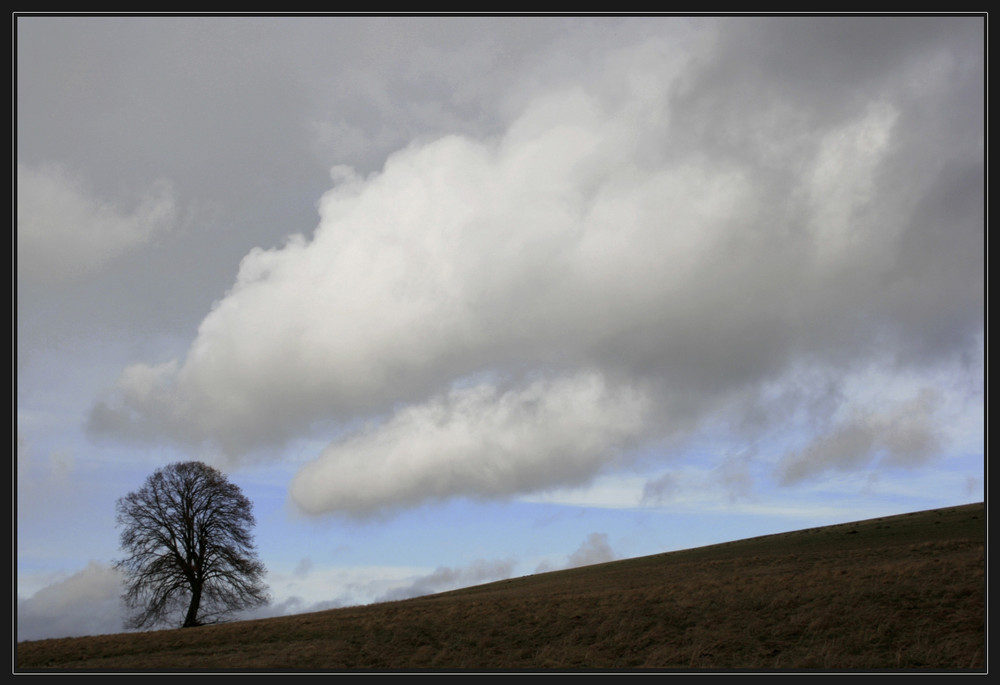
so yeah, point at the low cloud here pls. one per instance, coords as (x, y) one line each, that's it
(446, 578)
(86, 603)
(65, 232)
(594, 550)
(291, 606)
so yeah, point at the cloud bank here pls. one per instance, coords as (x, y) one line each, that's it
(664, 242)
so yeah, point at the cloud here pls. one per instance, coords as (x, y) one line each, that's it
(660, 243)
(595, 550)
(65, 233)
(308, 586)
(446, 578)
(41, 476)
(907, 436)
(292, 606)
(86, 603)
(660, 489)
(475, 441)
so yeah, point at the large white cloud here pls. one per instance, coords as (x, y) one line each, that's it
(664, 240)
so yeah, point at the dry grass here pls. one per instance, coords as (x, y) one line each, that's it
(902, 592)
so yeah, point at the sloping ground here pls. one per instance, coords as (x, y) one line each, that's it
(900, 592)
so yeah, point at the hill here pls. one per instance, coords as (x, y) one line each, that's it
(897, 592)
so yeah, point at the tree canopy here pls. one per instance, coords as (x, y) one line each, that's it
(189, 551)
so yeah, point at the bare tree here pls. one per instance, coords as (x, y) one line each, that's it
(188, 546)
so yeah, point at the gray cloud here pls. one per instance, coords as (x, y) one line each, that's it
(762, 197)
(86, 603)
(63, 233)
(446, 578)
(906, 436)
(594, 550)
(660, 489)
(291, 606)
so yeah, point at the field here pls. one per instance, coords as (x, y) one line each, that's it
(899, 592)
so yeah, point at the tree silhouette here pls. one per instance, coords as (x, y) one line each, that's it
(188, 546)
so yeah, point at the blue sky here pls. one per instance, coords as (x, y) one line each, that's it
(461, 299)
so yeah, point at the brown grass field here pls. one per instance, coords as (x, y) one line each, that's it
(895, 593)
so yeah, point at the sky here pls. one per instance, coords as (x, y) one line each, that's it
(458, 299)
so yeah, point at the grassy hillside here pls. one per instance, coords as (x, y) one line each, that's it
(899, 592)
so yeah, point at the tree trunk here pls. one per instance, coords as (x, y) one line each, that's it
(192, 614)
